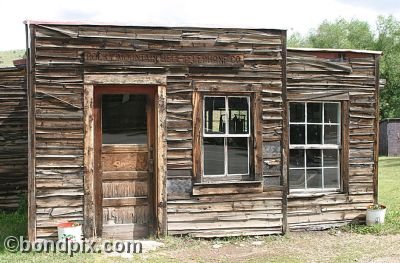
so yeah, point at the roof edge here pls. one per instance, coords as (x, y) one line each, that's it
(336, 50)
(91, 23)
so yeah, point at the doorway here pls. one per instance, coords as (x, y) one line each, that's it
(124, 181)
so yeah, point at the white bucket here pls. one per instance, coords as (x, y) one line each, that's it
(375, 216)
(69, 232)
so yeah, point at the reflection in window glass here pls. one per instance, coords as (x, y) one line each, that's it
(237, 155)
(296, 179)
(297, 112)
(238, 115)
(297, 134)
(314, 112)
(226, 148)
(331, 158)
(123, 119)
(331, 135)
(214, 115)
(314, 134)
(314, 178)
(331, 112)
(318, 142)
(314, 158)
(331, 178)
(296, 158)
(213, 156)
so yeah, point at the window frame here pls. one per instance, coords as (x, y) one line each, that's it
(322, 147)
(226, 136)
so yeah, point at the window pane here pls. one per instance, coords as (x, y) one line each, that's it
(297, 134)
(331, 178)
(313, 158)
(331, 113)
(124, 119)
(238, 115)
(214, 115)
(296, 158)
(213, 156)
(314, 178)
(296, 178)
(297, 112)
(331, 135)
(238, 156)
(330, 158)
(314, 134)
(314, 112)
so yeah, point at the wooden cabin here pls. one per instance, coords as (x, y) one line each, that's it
(13, 137)
(389, 137)
(207, 132)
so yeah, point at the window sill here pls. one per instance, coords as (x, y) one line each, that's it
(312, 194)
(227, 187)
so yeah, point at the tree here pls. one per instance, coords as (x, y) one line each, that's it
(389, 42)
(297, 40)
(341, 33)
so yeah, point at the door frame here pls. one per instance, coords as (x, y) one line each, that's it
(159, 83)
(99, 91)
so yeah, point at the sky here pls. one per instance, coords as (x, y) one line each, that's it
(295, 16)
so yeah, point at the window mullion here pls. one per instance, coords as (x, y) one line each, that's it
(306, 141)
(226, 135)
(323, 143)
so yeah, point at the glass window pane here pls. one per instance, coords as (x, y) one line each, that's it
(238, 156)
(331, 113)
(331, 158)
(213, 156)
(314, 134)
(124, 119)
(214, 115)
(313, 158)
(314, 178)
(296, 179)
(296, 158)
(331, 178)
(238, 115)
(297, 134)
(297, 112)
(314, 112)
(331, 134)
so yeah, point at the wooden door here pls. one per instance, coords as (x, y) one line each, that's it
(124, 161)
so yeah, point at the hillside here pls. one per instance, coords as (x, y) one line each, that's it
(7, 57)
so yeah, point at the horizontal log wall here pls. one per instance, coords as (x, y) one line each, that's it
(338, 75)
(13, 137)
(59, 69)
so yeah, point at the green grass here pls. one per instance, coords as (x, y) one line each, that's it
(13, 224)
(389, 195)
(7, 57)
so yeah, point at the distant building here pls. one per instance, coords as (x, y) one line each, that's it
(389, 137)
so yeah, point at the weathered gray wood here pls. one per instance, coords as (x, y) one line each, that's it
(314, 76)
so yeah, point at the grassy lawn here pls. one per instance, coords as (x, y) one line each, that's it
(356, 243)
(7, 57)
(389, 195)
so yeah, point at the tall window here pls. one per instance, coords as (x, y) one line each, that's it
(226, 133)
(314, 162)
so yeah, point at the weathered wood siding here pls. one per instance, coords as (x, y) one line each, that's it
(13, 137)
(389, 137)
(351, 78)
(59, 68)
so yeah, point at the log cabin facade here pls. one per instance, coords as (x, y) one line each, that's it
(204, 132)
(13, 137)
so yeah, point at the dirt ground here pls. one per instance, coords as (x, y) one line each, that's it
(325, 246)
